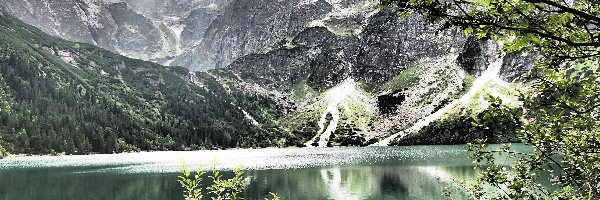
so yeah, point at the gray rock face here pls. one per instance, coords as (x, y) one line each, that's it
(207, 34)
(477, 55)
(164, 9)
(185, 20)
(128, 32)
(59, 18)
(250, 26)
(387, 46)
(149, 29)
(320, 57)
(197, 34)
(195, 25)
(517, 64)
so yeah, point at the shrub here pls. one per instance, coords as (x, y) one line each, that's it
(3, 152)
(220, 189)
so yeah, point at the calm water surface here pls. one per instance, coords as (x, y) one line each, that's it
(419, 172)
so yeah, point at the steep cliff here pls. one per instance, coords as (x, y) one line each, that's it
(354, 89)
(151, 30)
(250, 26)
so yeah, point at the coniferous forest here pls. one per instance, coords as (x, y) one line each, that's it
(58, 96)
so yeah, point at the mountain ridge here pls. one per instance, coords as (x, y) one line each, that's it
(398, 70)
(60, 96)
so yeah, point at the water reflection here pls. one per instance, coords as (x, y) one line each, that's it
(335, 173)
(333, 178)
(364, 182)
(69, 183)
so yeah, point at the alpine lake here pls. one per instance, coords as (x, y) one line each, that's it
(344, 173)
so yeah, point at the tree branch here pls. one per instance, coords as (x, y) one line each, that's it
(568, 9)
(477, 22)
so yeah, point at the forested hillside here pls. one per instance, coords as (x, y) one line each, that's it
(58, 96)
(318, 88)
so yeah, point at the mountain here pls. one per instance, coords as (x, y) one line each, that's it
(251, 26)
(355, 89)
(196, 34)
(288, 73)
(59, 96)
(151, 30)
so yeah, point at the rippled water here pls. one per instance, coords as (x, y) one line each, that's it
(419, 172)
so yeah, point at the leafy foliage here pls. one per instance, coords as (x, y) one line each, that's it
(192, 185)
(3, 152)
(561, 106)
(227, 189)
(220, 189)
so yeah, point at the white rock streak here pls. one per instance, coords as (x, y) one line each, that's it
(490, 75)
(333, 98)
(249, 117)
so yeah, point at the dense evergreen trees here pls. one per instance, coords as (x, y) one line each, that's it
(57, 96)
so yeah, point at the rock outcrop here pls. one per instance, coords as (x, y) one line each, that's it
(250, 26)
(150, 30)
(385, 47)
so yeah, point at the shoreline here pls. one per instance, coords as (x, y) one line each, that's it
(250, 159)
(220, 151)
(63, 154)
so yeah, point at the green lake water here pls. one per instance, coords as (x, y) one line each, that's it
(417, 172)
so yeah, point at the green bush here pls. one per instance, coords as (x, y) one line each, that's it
(3, 152)
(191, 184)
(220, 189)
